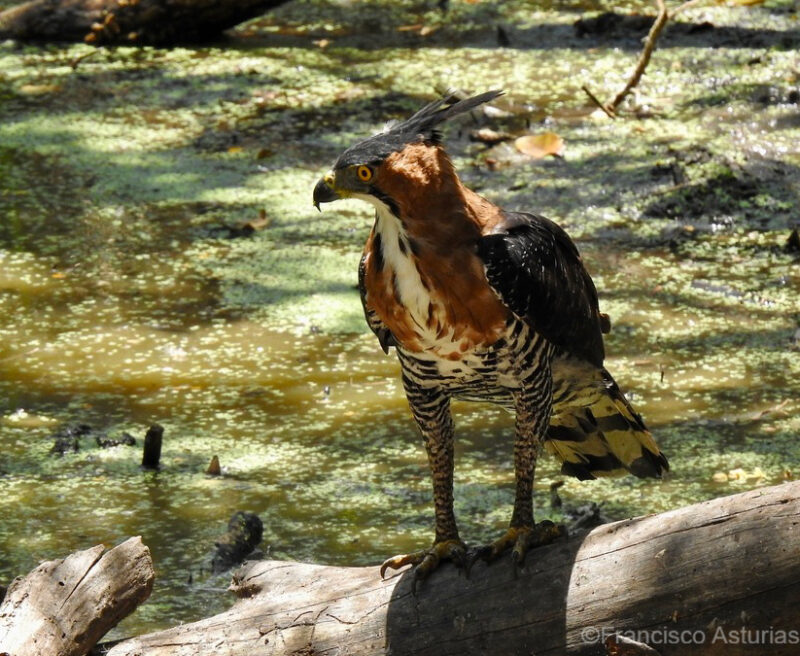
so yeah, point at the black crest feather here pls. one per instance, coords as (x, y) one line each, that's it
(420, 128)
(422, 125)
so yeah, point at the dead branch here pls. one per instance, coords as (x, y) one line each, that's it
(644, 57)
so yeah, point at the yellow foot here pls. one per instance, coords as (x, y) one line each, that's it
(519, 539)
(427, 560)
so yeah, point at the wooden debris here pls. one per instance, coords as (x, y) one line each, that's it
(213, 467)
(63, 607)
(152, 447)
(650, 41)
(710, 570)
(128, 22)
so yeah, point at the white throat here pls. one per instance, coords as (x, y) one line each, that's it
(422, 304)
(397, 255)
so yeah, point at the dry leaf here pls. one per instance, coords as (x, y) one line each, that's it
(540, 145)
(235, 149)
(39, 89)
(737, 474)
(489, 136)
(262, 221)
(419, 28)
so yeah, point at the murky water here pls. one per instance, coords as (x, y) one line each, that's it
(123, 303)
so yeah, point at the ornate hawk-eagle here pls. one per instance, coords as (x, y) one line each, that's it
(483, 304)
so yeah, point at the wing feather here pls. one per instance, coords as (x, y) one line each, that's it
(535, 268)
(374, 322)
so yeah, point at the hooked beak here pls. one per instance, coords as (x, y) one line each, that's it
(324, 191)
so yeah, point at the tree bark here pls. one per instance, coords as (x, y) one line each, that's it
(128, 22)
(63, 607)
(698, 580)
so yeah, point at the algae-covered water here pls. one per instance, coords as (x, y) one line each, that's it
(161, 262)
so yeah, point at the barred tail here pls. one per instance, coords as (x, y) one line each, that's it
(605, 438)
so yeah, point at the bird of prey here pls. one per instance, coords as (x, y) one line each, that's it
(483, 304)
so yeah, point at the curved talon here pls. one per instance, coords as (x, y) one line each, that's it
(545, 532)
(519, 539)
(517, 560)
(396, 562)
(520, 547)
(423, 570)
(479, 553)
(456, 553)
(427, 560)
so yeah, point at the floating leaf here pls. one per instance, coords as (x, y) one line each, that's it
(738, 474)
(540, 145)
(419, 28)
(39, 89)
(489, 136)
(263, 221)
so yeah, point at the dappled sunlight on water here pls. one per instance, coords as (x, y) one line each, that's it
(312, 429)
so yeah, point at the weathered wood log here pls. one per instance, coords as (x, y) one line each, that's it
(128, 22)
(699, 580)
(63, 607)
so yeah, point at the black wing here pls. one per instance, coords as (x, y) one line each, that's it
(377, 326)
(536, 269)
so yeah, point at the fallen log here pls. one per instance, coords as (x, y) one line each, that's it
(720, 577)
(63, 607)
(128, 22)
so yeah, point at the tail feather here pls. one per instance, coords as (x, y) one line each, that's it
(605, 438)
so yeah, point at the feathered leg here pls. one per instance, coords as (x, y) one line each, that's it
(532, 402)
(431, 410)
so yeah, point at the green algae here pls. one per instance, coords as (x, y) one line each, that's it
(123, 303)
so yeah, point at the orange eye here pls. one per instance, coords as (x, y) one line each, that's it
(364, 173)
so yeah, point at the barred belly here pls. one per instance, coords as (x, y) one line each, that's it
(493, 374)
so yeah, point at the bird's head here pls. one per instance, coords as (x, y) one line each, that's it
(391, 168)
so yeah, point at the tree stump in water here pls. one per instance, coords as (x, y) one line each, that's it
(152, 447)
(63, 607)
(128, 22)
(719, 577)
(244, 534)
